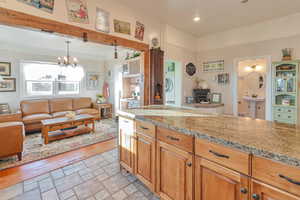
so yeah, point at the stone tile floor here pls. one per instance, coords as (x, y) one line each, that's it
(96, 178)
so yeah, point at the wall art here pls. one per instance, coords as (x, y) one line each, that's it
(77, 11)
(102, 20)
(122, 27)
(190, 69)
(5, 69)
(45, 5)
(214, 66)
(139, 31)
(8, 85)
(92, 81)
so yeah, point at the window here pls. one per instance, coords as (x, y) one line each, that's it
(45, 79)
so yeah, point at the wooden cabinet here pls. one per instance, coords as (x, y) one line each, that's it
(145, 160)
(156, 76)
(261, 191)
(178, 167)
(174, 173)
(213, 181)
(276, 174)
(230, 158)
(126, 143)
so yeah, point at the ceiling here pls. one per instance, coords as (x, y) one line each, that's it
(41, 43)
(216, 15)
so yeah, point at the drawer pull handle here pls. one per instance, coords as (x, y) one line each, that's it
(142, 127)
(189, 164)
(172, 138)
(218, 154)
(255, 196)
(289, 179)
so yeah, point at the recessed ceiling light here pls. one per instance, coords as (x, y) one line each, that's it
(196, 19)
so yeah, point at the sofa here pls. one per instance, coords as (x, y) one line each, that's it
(34, 111)
(12, 135)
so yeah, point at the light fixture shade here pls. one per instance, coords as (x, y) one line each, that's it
(67, 60)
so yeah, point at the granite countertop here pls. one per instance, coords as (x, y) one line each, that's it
(270, 140)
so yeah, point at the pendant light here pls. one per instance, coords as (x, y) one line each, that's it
(116, 50)
(67, 60)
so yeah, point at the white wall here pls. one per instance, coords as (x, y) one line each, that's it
(117, 10)
(15, 57)
(268, 30)
(181, 47)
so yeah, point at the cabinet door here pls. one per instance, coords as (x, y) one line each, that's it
(174, 173)
(126, 145)
(145, 160)
(261, 191)
(213, 181)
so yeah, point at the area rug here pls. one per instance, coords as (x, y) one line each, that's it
(35, 149)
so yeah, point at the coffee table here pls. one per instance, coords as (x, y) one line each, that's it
(59, 128)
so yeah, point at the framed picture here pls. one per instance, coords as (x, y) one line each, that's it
(102, 20)
(4, 108)
(5, 68)
(216, 98)
(215, 66)
(8, 85)
(45, 5)
(139, 31)
(77, 11)
(92, 81)
(122, 27)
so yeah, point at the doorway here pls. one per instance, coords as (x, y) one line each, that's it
(173, 83)
(252, 88)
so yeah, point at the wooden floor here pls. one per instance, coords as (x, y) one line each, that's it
(21, 173)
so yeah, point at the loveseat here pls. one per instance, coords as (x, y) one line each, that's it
(12, 135)
(33, 111)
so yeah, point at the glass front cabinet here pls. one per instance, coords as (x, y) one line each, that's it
(285, 91)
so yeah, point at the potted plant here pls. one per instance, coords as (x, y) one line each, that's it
(100, 98)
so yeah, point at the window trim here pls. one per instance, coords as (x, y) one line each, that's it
(23, 92)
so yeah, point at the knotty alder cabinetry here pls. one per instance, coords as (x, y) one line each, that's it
(174, 173)
(145, 154)
(176, 166)
(213, 181)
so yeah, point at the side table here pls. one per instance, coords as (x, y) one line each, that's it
(105, 110)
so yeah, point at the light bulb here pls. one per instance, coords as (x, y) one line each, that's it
(248, 68)
(196, 19)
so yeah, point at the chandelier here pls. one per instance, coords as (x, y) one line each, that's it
(67, 60)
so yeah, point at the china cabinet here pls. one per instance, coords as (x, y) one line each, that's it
(285, 91)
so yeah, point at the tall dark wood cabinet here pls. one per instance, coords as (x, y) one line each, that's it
(156, 76)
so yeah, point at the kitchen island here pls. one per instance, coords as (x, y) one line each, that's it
(185, 154)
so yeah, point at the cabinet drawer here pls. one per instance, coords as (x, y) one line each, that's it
(225, 156)
(179, 140)
(145, 128)
(285, 117)
(277, 174)
(127, 125)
